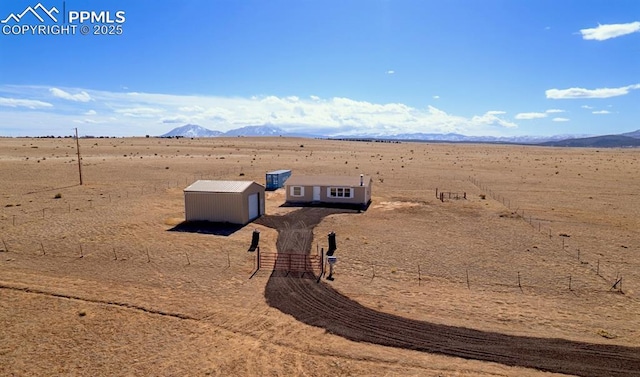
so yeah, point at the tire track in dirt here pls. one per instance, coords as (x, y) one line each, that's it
(319, 305)
(97, 301)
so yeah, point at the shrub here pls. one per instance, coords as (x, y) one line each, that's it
(58, 196)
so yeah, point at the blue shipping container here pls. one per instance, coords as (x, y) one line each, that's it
(275, 179)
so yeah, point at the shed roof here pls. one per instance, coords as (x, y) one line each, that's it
(327, 180)
(219, 186)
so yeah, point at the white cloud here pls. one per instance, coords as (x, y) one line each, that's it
(80, 97)
(436, 97)
(560, 119)
(604, 32)
(529, 116)
(87, 121)
(586, 107)
(175, 120)
(191, 109)
(573, 93)
(390, 72)
(139, 112)
(601, 112)
(154, 113)
(31, 104)
(490, 118)
(554, 111)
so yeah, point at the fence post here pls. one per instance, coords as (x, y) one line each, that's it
(321, 265)
(519, 285)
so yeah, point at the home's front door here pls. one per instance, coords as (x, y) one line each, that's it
(316, 193)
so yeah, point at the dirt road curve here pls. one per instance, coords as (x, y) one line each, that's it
(317, 304)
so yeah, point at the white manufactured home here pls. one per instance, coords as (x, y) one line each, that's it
(235, 202)
(335, 190)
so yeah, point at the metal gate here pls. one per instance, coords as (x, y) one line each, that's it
(290, 262)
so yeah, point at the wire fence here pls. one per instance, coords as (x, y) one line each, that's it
(607, 269)
(22, 211)
(215, 258)
(426, 273)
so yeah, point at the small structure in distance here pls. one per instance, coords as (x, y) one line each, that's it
(276, 179)
(234, 202)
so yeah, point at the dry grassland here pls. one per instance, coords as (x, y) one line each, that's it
(94, 283)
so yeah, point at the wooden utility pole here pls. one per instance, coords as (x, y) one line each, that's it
(79, 158)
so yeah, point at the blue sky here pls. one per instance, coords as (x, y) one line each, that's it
(499, 68)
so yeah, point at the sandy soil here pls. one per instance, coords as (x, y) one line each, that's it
(96, 283)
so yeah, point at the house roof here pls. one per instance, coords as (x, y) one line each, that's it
(219, 186)
(327, 180)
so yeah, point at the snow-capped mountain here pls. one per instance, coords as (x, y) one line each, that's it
(265, 130)
(191, 130)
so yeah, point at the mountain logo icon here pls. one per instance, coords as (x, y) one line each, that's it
(34, 11)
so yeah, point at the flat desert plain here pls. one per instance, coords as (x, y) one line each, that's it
(535, 273)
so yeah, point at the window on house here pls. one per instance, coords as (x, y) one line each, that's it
(340, 192)
(297, 191)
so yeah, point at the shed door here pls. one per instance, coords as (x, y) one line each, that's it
(254, 206)
(316, 193)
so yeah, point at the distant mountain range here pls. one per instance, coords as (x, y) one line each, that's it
(606, 141)
(629, 139)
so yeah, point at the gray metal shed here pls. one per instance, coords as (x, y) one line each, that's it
(235, 202)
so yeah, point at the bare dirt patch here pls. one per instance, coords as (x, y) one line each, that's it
(104, 249)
